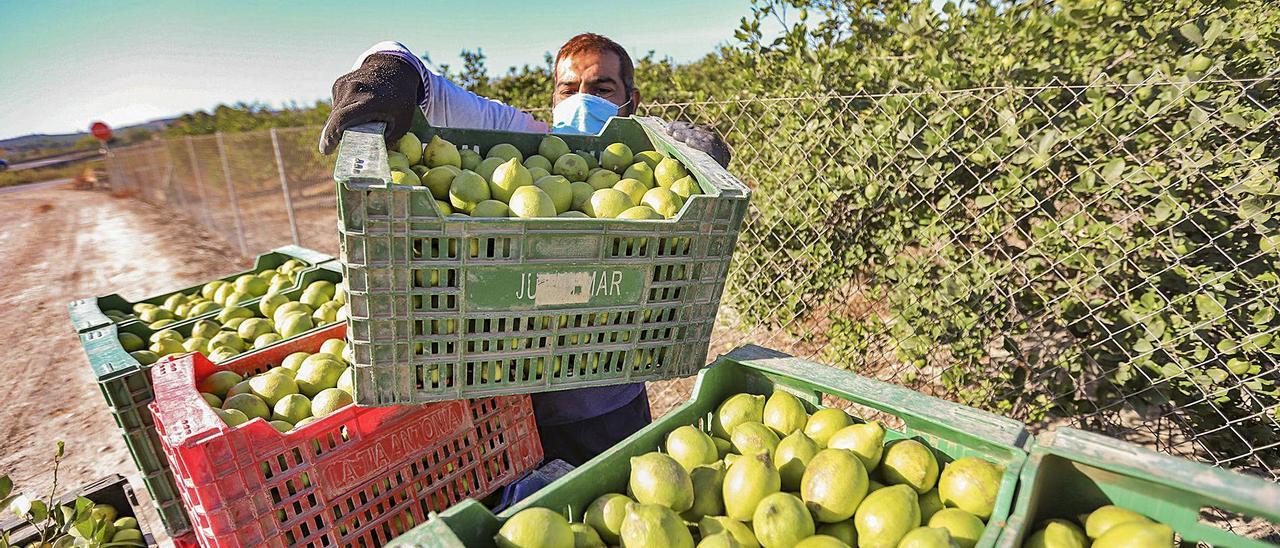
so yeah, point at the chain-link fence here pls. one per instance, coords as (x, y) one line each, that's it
(1102, 254)
(257, 190)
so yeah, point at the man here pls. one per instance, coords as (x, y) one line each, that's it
(594, 80)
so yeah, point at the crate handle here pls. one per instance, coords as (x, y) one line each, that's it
(312, 257)
(883, 396)
(106, 355)
(728, 185)
(1253, 496)
(86, 314)
(362, 156)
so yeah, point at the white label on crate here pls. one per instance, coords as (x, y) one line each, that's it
(555, 288)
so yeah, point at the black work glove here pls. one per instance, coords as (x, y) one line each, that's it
(384, 89)
(702, 138)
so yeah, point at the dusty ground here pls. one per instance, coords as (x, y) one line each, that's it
(60, 244)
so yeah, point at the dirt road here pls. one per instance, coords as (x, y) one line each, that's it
(56, 245)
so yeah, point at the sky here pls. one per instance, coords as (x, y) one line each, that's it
(65, 64)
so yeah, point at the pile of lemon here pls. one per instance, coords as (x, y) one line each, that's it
(770, 474)
(619, 184)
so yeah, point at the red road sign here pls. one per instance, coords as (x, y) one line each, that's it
(100, 131)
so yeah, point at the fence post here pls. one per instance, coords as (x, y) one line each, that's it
(231, 196)
(111, 166)
(195, 170)
(171, 177)
(284, 185)
(163, 174)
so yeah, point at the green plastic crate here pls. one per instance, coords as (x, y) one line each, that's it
(526, 305)
(1072, 472)
(126, 385)
(87, 313)
(953, 429)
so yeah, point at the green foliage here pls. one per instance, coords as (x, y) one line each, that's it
(68, 171)
(247, 117)
(1107, 180)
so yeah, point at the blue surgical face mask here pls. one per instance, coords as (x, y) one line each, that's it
(583, 114)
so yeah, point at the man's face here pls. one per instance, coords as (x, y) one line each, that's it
(594, 73)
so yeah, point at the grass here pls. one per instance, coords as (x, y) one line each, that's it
(25, 176)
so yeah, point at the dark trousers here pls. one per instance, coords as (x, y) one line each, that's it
(579, 442)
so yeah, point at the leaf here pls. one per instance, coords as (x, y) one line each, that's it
(39, 510)
(1143, 346)
(1209, 307)
(1192, 33)
(1113, 170)
(1257, 341)
(1008, 122)
(1215, 29)
(20, 505)
(6, 486)
(64, 517)
(1163, 211)
(1236, 120)
(1269, 243)
(1047, 141)
(1216, 374)
(83, 507)
(100, 533)
(84, 528)
(1264, 315)
(1228, 346)
(984, 201)
(1253, 210)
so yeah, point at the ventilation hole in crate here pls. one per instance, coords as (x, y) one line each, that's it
(484, 372)
(435, 278)
(317, 524)
(426, 247)
(441, 327)
(626, 246)
(677, 247)
(264, 468)
(304, 529)
(575, 365)
(483, 407)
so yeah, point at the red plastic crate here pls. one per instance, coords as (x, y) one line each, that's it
(357, 477)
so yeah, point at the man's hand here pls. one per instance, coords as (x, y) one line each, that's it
(384, 89)
(702, 138)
